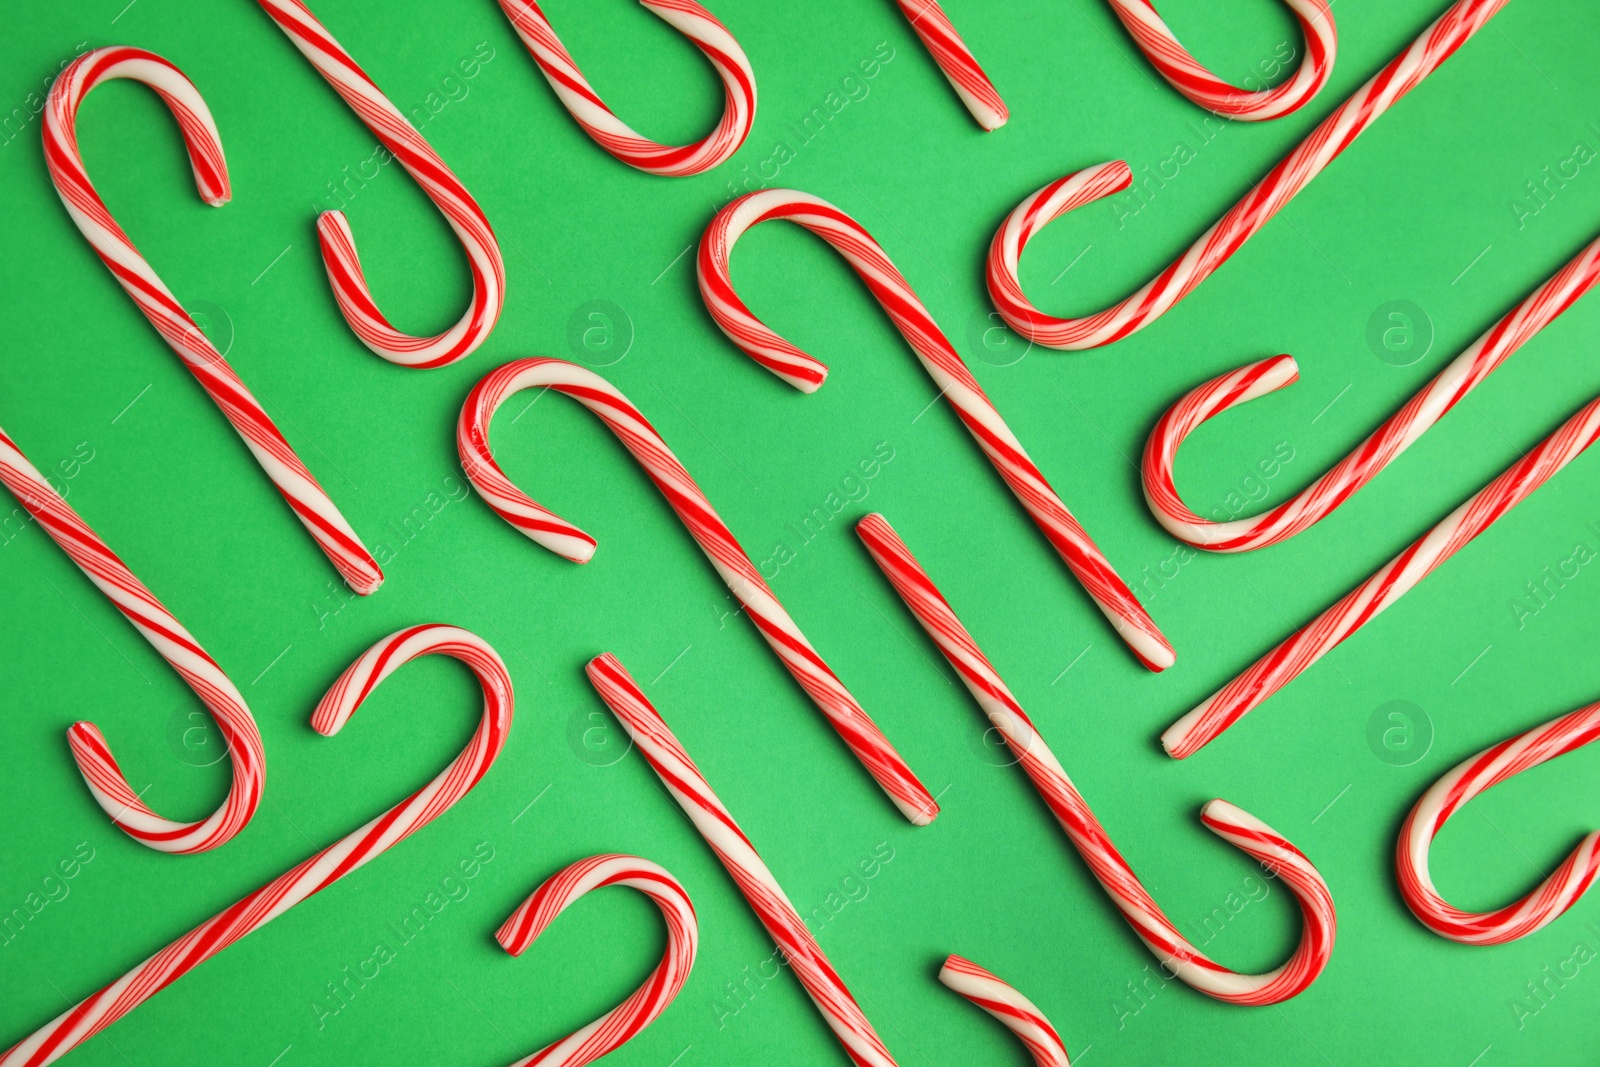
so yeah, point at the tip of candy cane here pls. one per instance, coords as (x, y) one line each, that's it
(85, 732)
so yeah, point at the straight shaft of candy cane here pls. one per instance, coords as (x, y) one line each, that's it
(88, 1017)
(615, 136)
(1015, 1011)
(1185, 73)
(243, 411)
(1321, 635)
(666, 756)
(733, 565)
(1269, 196)
(1239, 828)
(460, 210)
(241, 740)
(1402, 429)
(1552, 897)
(944, 365)
(624, 1022)
(955, 59)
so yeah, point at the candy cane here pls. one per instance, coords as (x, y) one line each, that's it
(617, 137)
(460, 210)
(1240, 829)
(1564, 888)
(1292, 174)
(311, 505)
(854, 726)
(1081, 555)
(955, 59)
(1019, 1014)
(666, 756)
(88, 1017)
(241, 739)
(1198, 84)
(1321, 635)
(1372, 456)
(624, 1022)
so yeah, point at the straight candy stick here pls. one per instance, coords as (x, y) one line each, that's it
(1392, 581)
(666, 756)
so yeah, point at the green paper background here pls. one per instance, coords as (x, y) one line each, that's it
(1419, 210)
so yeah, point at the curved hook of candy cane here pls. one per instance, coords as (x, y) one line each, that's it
(617, 137)
(624, 1022)
(955, 59)
(1446, 797)
(1194, 81)
(1369, 459)
(939, 358)
(1150, 924)
(1214, 247)
(241, 740)
(312, 875)
(417, 156)
(277, 459)
(1015, 1011)
(854, 726)
(1218, 713)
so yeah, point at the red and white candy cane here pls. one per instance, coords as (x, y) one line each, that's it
(1393, 580)
(310, 504)
(617, 137)
(1019, 1014)
(854, 726)
(1546, 903)
(955, 59)
(939, 358)
(666, 756)
(88, 1017)
(1239, 828)
(1292, 174)
(1318, 500)
(1199, 85)
(241, 740)
(419, 159)
(624, 1022)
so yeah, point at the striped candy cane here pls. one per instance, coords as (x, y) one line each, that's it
(1198, 84)
(1372, 456)
(419, 159)
(1292, 174)
(624, 1022)
(1564, 888)
(241, 739)
(1321, 635)
(617, 137)
(1240, 829)
(666, 756)
(1018, 1013)
(1081, 555)
(88, 1017)
(854, 726)
(310, 504)
(955, 59)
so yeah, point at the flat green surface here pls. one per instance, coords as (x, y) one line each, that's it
(1420, 209)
